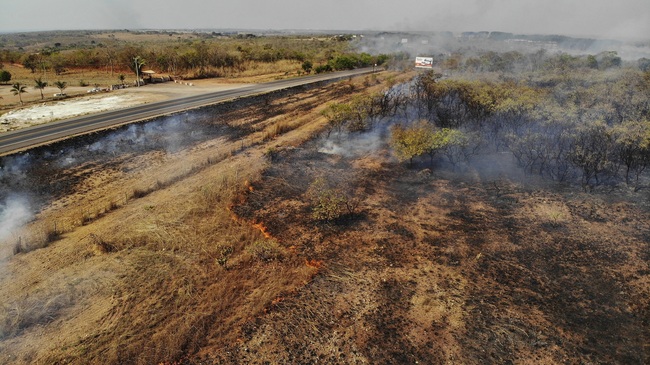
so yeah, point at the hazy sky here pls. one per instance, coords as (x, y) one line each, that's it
(603, 18)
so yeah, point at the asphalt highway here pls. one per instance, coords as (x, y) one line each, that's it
(24, 139)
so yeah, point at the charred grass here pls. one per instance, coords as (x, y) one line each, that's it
(450, 269)
(209, 254)
(151, 263)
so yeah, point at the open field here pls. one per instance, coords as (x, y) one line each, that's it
(152, 92)
(493, 210)
(440, 268)
(192, 239)
(78, 297)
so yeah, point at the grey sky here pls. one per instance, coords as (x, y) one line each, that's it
(602, 18)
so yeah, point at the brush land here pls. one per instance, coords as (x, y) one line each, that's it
(487, 216)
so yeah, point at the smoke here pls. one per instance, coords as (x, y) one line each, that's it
(28, 181)
(14, 213)
(13, 167)
(355, 145)
(169, 134)
(478, 161)
(474, 43)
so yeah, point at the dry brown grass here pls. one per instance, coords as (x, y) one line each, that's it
(152, 264)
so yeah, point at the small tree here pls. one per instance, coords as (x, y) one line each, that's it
(441, 140)
(632, 148)
(122, 77)
(307, 66)
(592, 145)
(337, 115)
(19, 89)
(40, 85)
(5, 76)
(412, 141)
(61, 85)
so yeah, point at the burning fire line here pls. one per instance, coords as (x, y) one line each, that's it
(263, 229)
(259, 226)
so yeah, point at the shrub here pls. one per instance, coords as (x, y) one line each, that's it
(224, 254)
(307, 66)
(5, 76)
(323, 68)
(330, 204)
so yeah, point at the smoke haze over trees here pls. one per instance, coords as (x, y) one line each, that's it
(583, 120)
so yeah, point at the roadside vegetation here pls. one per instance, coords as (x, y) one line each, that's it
(491, 210)
(103, 58)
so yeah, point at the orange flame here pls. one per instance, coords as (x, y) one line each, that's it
(248, 185)
(316, 264)
(262, 229)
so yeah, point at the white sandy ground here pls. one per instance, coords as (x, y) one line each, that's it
(44, 113)
(55, 110)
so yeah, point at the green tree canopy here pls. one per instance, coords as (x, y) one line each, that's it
(61, 85)
(5, 76)
(19, 89)
(40, 85)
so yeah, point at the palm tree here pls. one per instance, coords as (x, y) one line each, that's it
(61, 85)
(40, 84)
(19, 89)
(137, 67)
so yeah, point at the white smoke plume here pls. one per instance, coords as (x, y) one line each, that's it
(14, 213)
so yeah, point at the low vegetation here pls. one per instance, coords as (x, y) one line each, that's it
(494, 210)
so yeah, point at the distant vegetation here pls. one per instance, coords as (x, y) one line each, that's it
(189, 55)
(572, 119)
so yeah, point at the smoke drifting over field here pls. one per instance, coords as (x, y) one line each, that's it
(37, 176)
(14, 212)
(472, 43)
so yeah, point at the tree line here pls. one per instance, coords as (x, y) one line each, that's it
(196, 58)
(590, 126)
(593, 128)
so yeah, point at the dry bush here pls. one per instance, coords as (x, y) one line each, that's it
(277, 129)
(330, 204)
(553, 214)
(101, 245)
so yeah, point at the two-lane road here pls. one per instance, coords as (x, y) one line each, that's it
(26, 138)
